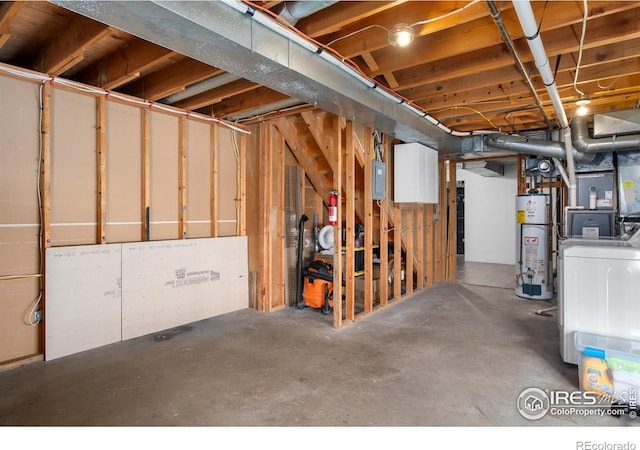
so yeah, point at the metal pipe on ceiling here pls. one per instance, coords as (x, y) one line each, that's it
(532, 33)
(497, 19)
(583, 143)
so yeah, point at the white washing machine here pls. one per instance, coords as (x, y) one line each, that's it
(598, 291)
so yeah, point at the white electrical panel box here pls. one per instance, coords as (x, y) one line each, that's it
(415, 174)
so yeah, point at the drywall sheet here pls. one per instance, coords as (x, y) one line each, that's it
(170, 283)
(163, 168)
(19, 216)
(73, 168)
(226, 183)
(198, 180)
(124, 172)
(84, 308)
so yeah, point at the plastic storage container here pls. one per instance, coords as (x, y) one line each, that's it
(609, 366)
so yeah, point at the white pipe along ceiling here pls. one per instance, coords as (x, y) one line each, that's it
(249, 44)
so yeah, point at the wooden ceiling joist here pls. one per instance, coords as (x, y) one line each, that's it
(126, 64)
(68, 48)
(8, 10)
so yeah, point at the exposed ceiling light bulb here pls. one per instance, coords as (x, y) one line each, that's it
(583, 108)
(401, 35)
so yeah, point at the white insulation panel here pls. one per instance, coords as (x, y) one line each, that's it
(172, 283)
(83, 287)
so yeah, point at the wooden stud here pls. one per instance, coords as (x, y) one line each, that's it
(264, 300)
(368, 221)
(521, 177)
(213, 179)
(429, 247)
(451, 234)
(337, 236)
(419, 247)
(45, 195)
(101, 156)
(276, 223)
(145, 175)
(45, 165)
(350, 219)
(408, 273)
(384, 235)
(182, 177)
(397, 252)
(242, 197)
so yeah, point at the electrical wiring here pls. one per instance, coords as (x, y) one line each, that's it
(236, 154)
(98, 91)
(444, 16)
(19, 277)
(584, 30)
(387, 92)
(480, 113)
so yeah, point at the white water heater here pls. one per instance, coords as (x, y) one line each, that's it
(534, 275)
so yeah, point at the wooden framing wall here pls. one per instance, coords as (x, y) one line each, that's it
(93, 153)
(416, 242)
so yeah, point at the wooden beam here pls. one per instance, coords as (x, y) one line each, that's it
(67, 49)
(315, 122)
(242, 195)
(337, 235)
(429, 247)
(126, 64)
(452, 222)
(384, 228)
(182, 177)
(299, 149)
(246, 102)
(8, 10)
(397, 252)
(419, 247)
(45, 165)
(217, 95)
(145, 175)
(350, 219)
(276, 222)
(213, 178)
(409, 250)
(173, 79)
(265, 183)
(101, 150)
(368, 220)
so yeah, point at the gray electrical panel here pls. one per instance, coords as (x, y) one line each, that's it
(379, 180)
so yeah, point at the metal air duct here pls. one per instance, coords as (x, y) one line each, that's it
(584, 143)
(234, 37)
(294, 11)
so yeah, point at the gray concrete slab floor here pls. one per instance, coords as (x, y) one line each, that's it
(451, 355)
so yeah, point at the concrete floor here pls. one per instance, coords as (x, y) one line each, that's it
(455, 354)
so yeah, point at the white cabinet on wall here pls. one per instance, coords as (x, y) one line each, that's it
(415, 174)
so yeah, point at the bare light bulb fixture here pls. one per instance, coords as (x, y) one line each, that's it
(583, 107)
(401, 35)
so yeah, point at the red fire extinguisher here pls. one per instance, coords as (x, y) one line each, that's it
(333, 208)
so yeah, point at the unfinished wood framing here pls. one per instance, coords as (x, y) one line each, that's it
(397, 252)
(145, 175)
(45, 166)
(213, 179)
(350, 221)
(368, 221)
(428, 245)
(78, 202)
(452, 222)
(101, 149)
(337, 144)
(419, 245)
(242, 195)
(409, 250)
(182, 178)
